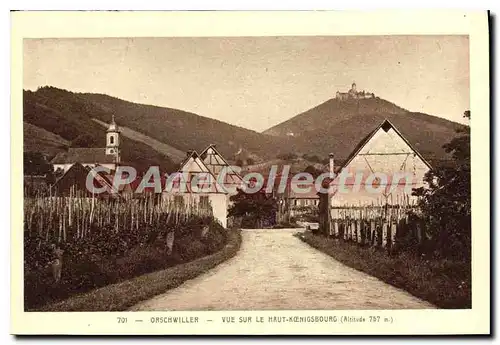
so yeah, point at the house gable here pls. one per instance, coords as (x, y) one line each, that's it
(194, 168)
(386, 151)
(384, 140)
(216, 163)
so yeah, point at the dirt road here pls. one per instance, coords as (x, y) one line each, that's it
(275, 270)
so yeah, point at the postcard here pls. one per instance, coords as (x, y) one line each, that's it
(233, 173)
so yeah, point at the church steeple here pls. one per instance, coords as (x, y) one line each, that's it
(112, 126)
(113, 140)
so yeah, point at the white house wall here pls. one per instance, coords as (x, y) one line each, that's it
(218, 201)
(388, 153)
(219, 207)
(193, 165)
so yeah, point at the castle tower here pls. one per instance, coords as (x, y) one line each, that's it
(353, 87)
(113, 140)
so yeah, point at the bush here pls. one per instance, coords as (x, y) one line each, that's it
(290, 156)
(109, 258)
(285, 225)
(123, 295)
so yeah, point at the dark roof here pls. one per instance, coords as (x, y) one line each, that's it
(83, 155)
(311, 194)
(77, 175)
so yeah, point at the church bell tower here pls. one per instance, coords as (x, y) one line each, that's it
(113, 140)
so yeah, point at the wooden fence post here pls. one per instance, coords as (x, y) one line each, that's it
(372, 232)
(393, 234)
(358, 232)
(384, 234)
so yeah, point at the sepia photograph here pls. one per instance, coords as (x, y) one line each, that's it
(274, 173)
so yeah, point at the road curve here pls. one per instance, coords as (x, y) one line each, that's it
(276, 271)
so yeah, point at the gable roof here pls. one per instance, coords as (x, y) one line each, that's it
(384, 124)
(77, 175)
(83, 155)
(196, 159)
(193, 157)
(216, 161)
(220, 159)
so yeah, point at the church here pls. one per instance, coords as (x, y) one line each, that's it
(108, 156)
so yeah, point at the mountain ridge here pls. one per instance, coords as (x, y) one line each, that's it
(337, 126)
(334, 126)
(325, 110)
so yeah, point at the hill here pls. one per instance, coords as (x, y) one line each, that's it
(160, 136)
(331, 113)
(184, 130)
(174, 154)
(338, 126)
(296, 165)
(36, 137)
(65, 115)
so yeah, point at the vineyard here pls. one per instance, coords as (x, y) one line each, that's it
(75, 244)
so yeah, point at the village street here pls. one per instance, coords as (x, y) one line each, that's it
(275, 270)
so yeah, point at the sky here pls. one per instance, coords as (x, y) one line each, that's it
(257, 82)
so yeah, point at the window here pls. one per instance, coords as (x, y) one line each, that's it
(386, 126)
(111, 140)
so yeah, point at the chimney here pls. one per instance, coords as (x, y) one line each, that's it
(332, 165)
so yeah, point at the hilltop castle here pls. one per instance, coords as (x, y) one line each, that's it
(353, 93)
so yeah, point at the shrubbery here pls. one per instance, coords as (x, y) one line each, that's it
(446, 204)
(101, 253)
(84, 270)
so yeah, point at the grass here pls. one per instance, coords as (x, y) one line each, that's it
(121, 296)
(443, 282)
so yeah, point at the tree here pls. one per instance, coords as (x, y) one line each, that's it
(313, 171)
(446, 202)
(287, 156)
(83, 140)
(35, 163)
(254, 208)
(312, 158)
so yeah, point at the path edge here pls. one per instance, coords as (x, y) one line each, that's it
(124, 295)
(417, 294)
